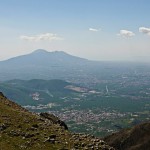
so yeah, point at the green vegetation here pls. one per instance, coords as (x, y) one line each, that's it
(22, 91)
(97, 112)
(21, 129)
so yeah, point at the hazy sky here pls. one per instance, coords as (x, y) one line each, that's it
(93, 29)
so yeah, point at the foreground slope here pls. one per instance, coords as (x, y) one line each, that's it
(136, 138)
(21, 129)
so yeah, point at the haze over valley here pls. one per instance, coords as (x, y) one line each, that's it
(92, 97)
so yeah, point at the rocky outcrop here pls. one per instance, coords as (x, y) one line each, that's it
(2, 95)
(54, 119)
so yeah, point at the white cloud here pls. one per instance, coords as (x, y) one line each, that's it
(144, 30)
(41, 37)
(94, 30)
(126, 33)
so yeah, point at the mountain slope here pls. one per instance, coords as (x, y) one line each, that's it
(136, 138)
(21, 129)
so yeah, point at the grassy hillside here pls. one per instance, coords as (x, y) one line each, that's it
(21, 129)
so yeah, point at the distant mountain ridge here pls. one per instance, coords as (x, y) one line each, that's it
(41, 57)
(41, 64)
